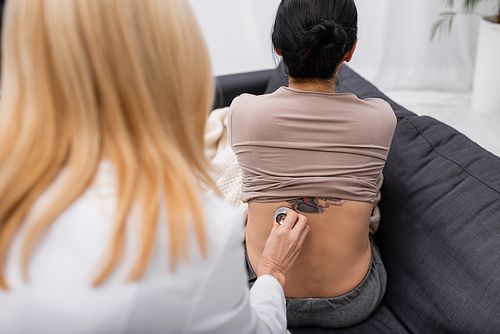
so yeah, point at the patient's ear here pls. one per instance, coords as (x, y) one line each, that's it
(278, 52)
(348, 55)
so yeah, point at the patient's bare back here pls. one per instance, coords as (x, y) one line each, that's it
(336, 253)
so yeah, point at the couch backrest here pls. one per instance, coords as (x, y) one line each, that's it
(227, 87)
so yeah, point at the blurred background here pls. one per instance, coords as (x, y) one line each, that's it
(394, 52)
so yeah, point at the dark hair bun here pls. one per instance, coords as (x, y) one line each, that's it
(314, 36)
(324, 41)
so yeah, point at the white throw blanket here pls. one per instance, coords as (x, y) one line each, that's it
(226, 172)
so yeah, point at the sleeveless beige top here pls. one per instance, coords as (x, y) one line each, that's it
(293, 144)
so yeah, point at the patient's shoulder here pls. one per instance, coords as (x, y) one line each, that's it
(381, 106)
(380, 113)
(250, 103)
(249, 112)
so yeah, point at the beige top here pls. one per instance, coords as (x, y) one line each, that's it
(294, 143)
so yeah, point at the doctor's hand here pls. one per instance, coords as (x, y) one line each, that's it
(283, 246)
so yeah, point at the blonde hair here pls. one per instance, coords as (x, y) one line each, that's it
(84, 80)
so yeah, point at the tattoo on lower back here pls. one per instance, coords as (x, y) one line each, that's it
(314, 204)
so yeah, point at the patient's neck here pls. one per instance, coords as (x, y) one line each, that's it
(313, 85)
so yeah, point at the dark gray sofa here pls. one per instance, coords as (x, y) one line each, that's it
(440, 230)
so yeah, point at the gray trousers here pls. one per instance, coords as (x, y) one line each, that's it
(342, 311)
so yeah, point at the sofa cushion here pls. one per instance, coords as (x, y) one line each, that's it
(440, 230)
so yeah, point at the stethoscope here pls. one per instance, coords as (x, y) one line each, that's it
(280, 215)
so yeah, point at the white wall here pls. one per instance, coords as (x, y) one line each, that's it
(394, 51)
(238, 33)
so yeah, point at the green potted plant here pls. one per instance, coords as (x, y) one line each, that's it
(486, 84)
(445, 20)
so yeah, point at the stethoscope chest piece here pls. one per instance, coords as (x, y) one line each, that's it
(280, 215)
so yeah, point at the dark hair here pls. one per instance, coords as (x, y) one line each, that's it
(314, 35)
